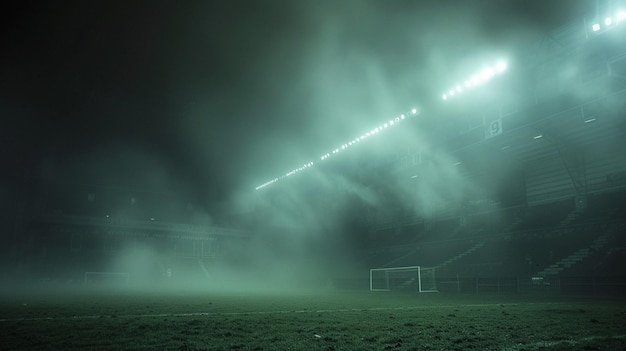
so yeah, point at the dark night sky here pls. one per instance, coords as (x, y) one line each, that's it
(209, 97)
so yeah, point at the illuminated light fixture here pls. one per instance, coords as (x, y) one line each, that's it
(538, 136)
(457, 163)
(413, 176)
(487, 73)
(595, 27)
(590, 120)
(476, 79)
(501, 67)
(621, 16)
(608, 21)
(307, 165)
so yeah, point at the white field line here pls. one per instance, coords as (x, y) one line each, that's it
(252, 313)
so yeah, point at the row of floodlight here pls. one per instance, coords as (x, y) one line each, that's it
(380, 128)
(609, 21)
(477, 79)
(392, 122)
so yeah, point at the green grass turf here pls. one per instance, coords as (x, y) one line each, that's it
(331, 321)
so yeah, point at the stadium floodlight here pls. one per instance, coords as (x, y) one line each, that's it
(344, 146)
(476, 79)
(608, 21)
(501, 67)
(595, 27)
(486, 74)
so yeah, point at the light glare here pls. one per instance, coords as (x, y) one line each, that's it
(608, 21)
(595, 27)
(500, 66)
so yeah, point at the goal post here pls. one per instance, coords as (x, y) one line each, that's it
(411, 278)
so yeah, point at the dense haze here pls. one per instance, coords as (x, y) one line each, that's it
(208, 100)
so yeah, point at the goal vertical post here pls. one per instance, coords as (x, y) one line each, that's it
(419, 279)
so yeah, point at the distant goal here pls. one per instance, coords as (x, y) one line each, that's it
(412, 278)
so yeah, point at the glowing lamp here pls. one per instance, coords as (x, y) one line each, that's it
(500, 66)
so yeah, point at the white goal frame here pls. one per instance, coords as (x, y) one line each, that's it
(419, 273)
(120, 278)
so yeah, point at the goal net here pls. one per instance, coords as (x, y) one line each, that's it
(109, 279)
(413, 278)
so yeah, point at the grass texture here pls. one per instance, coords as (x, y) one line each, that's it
(330, 321)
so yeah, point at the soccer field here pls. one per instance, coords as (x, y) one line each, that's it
(329, 321)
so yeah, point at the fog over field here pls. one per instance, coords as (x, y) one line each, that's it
(189, 108)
